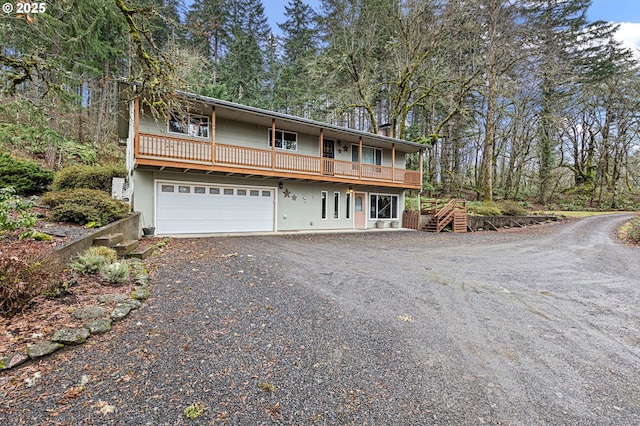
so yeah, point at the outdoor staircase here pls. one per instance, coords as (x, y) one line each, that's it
(453, 212)
(124, 248)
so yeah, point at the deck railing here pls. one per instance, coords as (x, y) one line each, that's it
(196, 151)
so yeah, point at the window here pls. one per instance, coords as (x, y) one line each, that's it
(184, 189)
(266, 193)
(254, 193)
(167, 188)
(242, 192)
(214, 191)
(285, 140)
(384, 206)
(191, 125)
(348, 203)
(228, 191)
(336, 205)
(199, 190)
(370, 155)
(324, 204)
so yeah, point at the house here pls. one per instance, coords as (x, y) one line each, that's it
(225, 167)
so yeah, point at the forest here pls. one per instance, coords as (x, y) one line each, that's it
(513, 100)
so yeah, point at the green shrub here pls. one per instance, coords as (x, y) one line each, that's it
(88, 177)
(107, 252)
(115, 273)
(88, 263)
(15, 213)
(512, 208)
(26, 177)
(484, 209)
(85, 205)
(634, 230)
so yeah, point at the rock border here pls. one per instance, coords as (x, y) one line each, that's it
(76, 336)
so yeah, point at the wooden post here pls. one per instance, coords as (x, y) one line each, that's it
(421, 153)
(321, 151)
(213, 135)
(393, 162)
(136, 126)
(360, 157)
(273, 143)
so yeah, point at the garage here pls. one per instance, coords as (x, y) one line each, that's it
(197, 208)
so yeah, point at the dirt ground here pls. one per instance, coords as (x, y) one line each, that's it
(539, 326)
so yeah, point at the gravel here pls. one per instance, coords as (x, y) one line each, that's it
(541, 326)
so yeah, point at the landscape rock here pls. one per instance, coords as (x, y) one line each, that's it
(132, 303)
(98, 326)
(120, 312)
(112, 298)
(71, 336)
(89, 312)
(141, 293)
(12, 360)
(44, 348)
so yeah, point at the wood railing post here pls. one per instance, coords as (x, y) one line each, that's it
(213, 135)
(136, 126)
(321, 151)
(273, 144)
(360, 157)
(393, 162)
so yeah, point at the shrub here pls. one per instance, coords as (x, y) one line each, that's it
(634, 230)
(484, 209)
(85, 205)
(26, 177)
(88, 177)
(88, 263)
(107, 252)
(115, 273)
(512, 208)
(25, 272)
(15, 213)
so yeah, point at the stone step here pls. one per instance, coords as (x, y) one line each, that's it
(125, 247)
(108, 240)
(141, 252)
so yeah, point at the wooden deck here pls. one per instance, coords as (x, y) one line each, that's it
(442, 213)
(166, 151)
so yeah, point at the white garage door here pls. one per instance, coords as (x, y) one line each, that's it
(191, 208)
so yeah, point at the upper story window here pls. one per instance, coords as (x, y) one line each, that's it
(285, 140)
(190, 125)
(370, 155)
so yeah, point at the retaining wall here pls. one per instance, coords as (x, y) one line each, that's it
(129, 227)
(493, 222)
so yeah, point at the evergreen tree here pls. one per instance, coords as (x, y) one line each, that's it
(300, 35)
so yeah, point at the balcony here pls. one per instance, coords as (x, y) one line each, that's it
(195, 154)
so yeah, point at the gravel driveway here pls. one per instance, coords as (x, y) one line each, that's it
(381, 328)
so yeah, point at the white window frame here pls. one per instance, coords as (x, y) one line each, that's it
(194, 124)
(324, 201)
(355, 154)
(281, 140)
(393, 214)
(336, 205)
(348, 202)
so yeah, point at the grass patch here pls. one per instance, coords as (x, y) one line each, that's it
(578, 214)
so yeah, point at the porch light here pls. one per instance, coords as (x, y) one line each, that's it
(280, 185)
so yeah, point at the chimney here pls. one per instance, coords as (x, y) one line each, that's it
(385, 130)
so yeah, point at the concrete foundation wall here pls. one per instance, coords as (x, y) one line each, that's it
(491, 222)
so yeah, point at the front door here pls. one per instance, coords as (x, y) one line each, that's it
(360, 210)
(328, 152)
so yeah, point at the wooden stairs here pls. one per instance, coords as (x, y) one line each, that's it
(453, 212)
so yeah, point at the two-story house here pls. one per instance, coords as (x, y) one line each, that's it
(225, 167)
